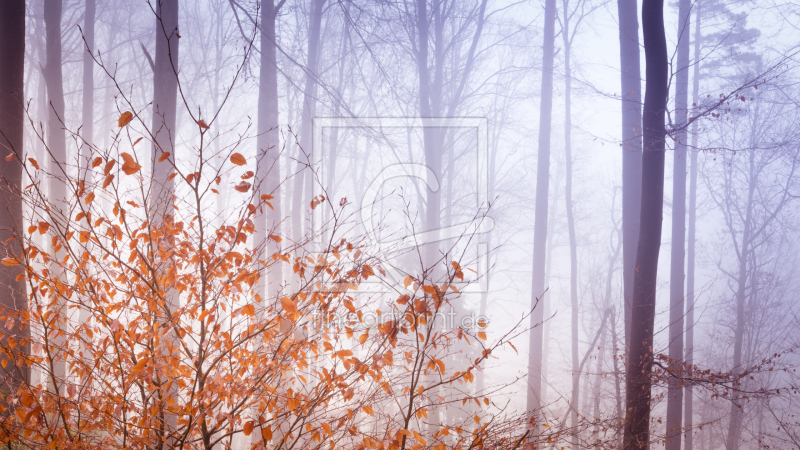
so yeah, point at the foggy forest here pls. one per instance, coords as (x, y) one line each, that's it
(400, 224)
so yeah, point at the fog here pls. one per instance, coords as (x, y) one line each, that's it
(588, 220)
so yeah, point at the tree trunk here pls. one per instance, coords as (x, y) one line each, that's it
(735, 424)
(87, 118)
(573, 245)
(57, 147)
(164, 130)
(165, 97)
(540, 221)
(14, 298)
(640, 364)
(690, 256)
(303, 179)
(87, 135)
(268, 173)
(631, 86)
(678, 251)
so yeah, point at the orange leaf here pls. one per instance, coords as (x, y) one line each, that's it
(10, 262)
(108, 167)
(247, 175)
(137, 140)
(10, 157)
(274, 237)
(288, 304)
(35, 164)
(344, 353)
(248, 428)
(482, 335)
(96, 162)
(238, 159)
(202, 124)
(368, 410)
(107, 181)
(43, 227)
(242, 187)
(266, 433)
(164, 156)
(89, 197)
(249, 310)
(124, 119)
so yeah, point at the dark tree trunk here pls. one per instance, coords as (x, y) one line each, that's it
(165, 130)
(640, 362)
(14, 299)
(540, 221)
(631, 86)
(690, 255)
(165, 102)
(678, 251)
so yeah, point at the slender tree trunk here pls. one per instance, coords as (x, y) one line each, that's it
(690, 256)
(164, 129)
(678, 251)
(598, 384)
(735, 424)
(303, 180)
(546, 298)
(14, 298)
(573, 245)
(617, 380)
(540, 221)
(631, 86)
(165, 98)
(57, 147)
(87, 118)
(640, 362)
(268, 173)
(87, 135)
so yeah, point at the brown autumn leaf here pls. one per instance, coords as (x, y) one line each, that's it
(164, 156)
(247, 175)
(243, 186)
(316, 201)
(96, 162)
(131, 167)
(124, 119)
(248, 427)
(137, 140)
(34, 163)
(89, 197)
(202, 124)
(109, 165)
(10, 157)
(288, 304)
(108, 180)
(43, 227)
(238, 159)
